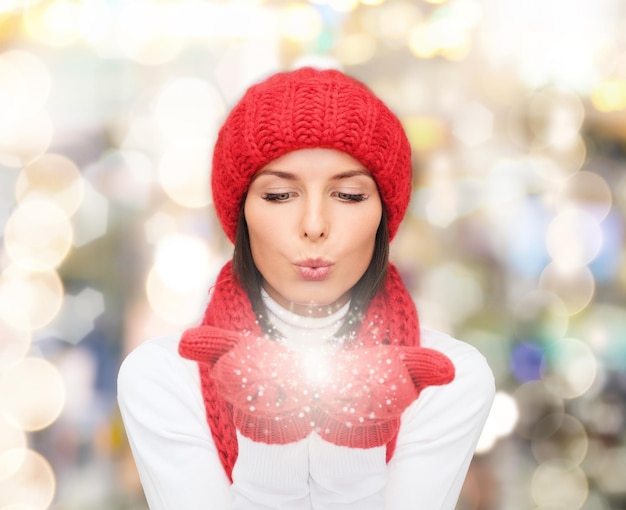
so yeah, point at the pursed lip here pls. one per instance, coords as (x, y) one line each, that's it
(314, 263)
(313, 270)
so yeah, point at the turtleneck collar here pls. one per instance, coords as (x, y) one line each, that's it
(300, 332)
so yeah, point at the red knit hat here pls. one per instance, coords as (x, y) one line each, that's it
(309, 108)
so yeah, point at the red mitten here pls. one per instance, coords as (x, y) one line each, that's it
(352, 397)
(372, 387)
(263, 382)
(206, 344)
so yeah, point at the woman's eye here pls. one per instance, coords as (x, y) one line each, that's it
(351, 197)
(277, 197)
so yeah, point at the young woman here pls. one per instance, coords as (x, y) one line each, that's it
(309, 383)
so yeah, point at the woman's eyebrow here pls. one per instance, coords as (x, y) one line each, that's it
(352, 173)
(275, 173)
(281, 174)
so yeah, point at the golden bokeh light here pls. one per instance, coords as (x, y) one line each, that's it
(14, 344)
(29, 138)
(574, 286)
(25, 84)
(38, 235)
(560, 436)
(610, 95)
(425, 133)
(188, 108)
(29, 300)
(55, 22)
(574, 238)
(300, 22)
(54, 177)
(175, 307)
(12, 440)
(32, 486)
(422, 42)
(183, 174)
(183, 262)
(560, 162)
(555, 117)
(559, 484)
(586, 191)
(177, 284)
(32, 392)
(354, 49)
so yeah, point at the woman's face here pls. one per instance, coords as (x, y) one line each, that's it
(312, 218)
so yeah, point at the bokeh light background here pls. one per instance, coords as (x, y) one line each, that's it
(514, 242)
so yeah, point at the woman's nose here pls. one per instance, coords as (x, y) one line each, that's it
(315, 222)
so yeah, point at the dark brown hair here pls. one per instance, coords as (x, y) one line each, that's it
(361, 294)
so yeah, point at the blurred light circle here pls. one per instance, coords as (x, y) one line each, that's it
(610, 478)
(436, 285)
(526, 361)
(33, 393)
(12, 438)
(184, 174)
(587, 191)
(354, 49)
(559, 484)
(55, 23)
(54, 177)
(38, 235)
(610, 95)
(141, 33)
(300, 22)
(14, 345)
(547, 168)
(574, 238)
(560, 437)
(425, 133)
(422, 42)
(556, 116)
(32, 485)
(183, 262)
(29, 300)
(175, 307)
(565, 160)
(343, 5)
(29, 138)
(574, 287)
(188, 108)
(540, 315)
(24, 87)
(534, 402)
(571, 368)
(604, 416)
(395, 21)
(473, 123)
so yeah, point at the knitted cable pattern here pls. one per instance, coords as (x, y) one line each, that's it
(352, 397)
(310, 108)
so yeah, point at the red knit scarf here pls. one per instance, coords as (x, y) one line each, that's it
(352, 396)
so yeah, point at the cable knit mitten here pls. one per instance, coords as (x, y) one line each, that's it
(352, 397)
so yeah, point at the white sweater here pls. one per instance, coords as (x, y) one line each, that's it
(164, 415)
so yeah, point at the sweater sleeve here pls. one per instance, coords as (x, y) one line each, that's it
(439, 432)
(163, 415)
